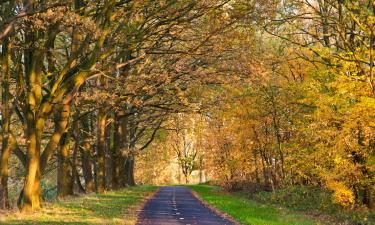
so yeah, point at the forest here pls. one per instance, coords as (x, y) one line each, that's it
(256, 95)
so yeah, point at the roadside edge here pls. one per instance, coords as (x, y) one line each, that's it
(213, 208)
(136, 211)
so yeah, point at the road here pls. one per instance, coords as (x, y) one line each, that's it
(175, 206)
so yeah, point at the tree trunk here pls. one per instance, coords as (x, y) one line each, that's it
(61, 124)
(201, 169)
(109, 154)
(186, 178)
(131, 158)
(77, 136)
(34, 111)
(124, 145)
(127, 172)
(87, 166)
(101, 150)
(115, 153)
(8, 147)
(368, 197)
(64, 170)
(131, 180)
(7, 140)
(116, 172)
(32, 190)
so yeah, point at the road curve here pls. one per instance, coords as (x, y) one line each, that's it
(175, 206)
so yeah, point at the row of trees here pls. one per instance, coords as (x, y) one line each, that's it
(303, 113)
(87, 84)
(286, 89)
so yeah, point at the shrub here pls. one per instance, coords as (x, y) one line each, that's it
(341, 194)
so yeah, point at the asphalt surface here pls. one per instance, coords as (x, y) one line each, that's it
(177, 205)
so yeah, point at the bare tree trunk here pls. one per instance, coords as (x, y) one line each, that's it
(368, 198)
(77, 136)
(76, 178)
(7, 140)
(123, 147)
(102, 118)
(32, 190)
(34, 111)
(115, 153)
(131, 158)
(131, 180)
(109, 154)
(186, 178)
(87, 166)
(64, 170)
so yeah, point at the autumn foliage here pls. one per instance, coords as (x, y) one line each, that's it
(259, 95)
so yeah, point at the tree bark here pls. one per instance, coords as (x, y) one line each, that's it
(8, 143)
(32, 190)
(64, 170)
(102, 118)
(87, 166)
(115, 156)
(61, 124)
(34, 111)
(77, 135)
(131, 161)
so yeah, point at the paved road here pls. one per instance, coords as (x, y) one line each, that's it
(175, 206)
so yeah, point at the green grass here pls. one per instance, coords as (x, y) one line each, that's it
(117, 207)
(315, 201)
(247, 211)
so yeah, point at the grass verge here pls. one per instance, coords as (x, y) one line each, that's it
(247, 211)
(115, 207)
(315, 202)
